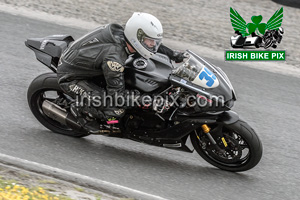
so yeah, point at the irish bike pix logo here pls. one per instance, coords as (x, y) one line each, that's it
(256, 40)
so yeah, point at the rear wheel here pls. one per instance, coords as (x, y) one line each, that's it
(239, 148)
(45, 87)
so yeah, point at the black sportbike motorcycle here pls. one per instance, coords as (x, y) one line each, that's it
(195, 114)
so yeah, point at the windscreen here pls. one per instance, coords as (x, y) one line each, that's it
(189, 68)
(193, 70)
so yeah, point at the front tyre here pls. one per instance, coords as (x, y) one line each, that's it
(243, 150)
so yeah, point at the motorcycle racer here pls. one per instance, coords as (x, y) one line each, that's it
(104, 51)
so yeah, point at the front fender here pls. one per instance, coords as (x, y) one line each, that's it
(228, 117)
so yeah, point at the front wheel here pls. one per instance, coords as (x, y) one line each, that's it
(239, 148)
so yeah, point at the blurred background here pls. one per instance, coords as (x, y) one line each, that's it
(201, 22)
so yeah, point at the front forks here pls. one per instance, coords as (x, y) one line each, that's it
(206, 131)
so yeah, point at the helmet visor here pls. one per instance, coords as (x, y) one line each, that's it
(151, 44)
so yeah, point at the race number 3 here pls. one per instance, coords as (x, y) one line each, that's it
(208, 76)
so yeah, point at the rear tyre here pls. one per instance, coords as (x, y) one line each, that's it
(244, 149)
(45, 87)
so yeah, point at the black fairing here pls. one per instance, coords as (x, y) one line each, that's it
(224, 88)
(49, 49)
(153, 76)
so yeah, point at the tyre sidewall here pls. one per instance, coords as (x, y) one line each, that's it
(249, 135)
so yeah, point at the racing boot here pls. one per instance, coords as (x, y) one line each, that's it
(86, 118)
(113, 117)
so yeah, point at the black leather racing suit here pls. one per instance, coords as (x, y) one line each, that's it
(100, 52)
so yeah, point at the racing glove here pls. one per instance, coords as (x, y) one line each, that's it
(178, 56)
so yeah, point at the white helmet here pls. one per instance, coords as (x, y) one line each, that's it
(144, 33)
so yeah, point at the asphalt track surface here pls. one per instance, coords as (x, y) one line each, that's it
(267, 101)
(292, 3)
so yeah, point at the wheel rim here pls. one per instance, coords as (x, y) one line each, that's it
(237, 154)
